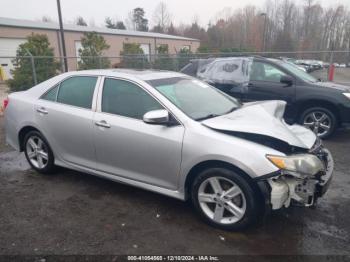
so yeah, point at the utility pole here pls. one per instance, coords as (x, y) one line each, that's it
(62, 36)
(348, 65)
(264, 33)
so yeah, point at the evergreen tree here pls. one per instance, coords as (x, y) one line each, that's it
(139, 20)
(80, 21)
(91, 52)
(114, 24)
(133, 56)
(164, 61)
(45, 68)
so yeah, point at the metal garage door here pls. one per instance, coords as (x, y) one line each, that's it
(8, 48)
(146, 50)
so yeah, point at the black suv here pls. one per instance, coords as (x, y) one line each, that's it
(321, 106)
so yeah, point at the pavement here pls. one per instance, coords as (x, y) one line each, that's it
(75, 213)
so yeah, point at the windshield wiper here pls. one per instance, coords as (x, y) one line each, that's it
(231, 110)
(207, 117)
(216, 115)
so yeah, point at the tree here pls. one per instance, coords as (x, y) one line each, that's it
(80, 21)
(184, 56)
(45, 68)
(161, 17)
(195, 31)
(157, 29)
(133, 56)
(139, 20)
(91, 52)
(46, 19)
(114, 24)
(164, 61)
(172, 30)
(110, 23)
(120, 25)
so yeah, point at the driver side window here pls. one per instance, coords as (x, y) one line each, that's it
(124, 98)
(265, 72)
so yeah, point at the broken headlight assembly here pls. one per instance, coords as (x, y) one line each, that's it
(303, 164)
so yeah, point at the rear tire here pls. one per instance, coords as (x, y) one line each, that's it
(224, 199)
(38, 153)
(322, 121)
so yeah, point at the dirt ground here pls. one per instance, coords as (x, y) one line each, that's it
(75, 213)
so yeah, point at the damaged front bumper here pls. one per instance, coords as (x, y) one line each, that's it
(285, 188)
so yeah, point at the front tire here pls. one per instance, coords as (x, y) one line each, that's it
(320, 120)
(224, 199)
(38, 152)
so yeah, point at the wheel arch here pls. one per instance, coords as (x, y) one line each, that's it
(306, 104)
(22, 133)
(195, 170)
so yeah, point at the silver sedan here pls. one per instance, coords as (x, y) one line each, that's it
(171, 134)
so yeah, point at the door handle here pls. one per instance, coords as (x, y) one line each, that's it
(103, 123)
(42, 110)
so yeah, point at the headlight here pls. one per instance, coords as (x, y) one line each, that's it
(306, 164)
(347, 95)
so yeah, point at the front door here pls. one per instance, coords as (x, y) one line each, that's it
(265, 84)
(128, 147)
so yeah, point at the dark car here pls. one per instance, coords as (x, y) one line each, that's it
(321, 106)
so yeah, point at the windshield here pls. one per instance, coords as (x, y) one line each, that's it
(298, 72)
(196, 99)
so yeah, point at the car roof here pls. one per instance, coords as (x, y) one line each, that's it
(144, 75)
(253, 57)
(278, 61)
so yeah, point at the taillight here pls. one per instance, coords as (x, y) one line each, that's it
(5, 103)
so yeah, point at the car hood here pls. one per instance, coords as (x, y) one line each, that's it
(339, 87)
(263, 119)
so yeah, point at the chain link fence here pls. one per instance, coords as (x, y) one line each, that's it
(40, 68)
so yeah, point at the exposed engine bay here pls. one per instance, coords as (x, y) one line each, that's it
(293, 188)
(305, 166)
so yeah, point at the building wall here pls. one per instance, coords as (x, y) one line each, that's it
(115, 41)
(13, 32)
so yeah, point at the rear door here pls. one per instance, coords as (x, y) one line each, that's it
(65, 116)
(265, 84)
(126, 146)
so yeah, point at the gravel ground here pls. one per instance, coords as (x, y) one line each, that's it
(75, 213)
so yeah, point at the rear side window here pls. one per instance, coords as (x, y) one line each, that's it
(126, 99)
(51, 95)
(77, 91)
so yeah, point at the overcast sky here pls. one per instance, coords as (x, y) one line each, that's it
(96, 10)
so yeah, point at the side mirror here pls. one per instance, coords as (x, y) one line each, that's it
(288, 80)
(156, 117)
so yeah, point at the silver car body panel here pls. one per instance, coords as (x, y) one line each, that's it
(149, 150)
(156, 158)
(264, 118)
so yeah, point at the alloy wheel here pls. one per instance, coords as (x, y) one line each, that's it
(222, 200)
(319, 122)
(37, 152)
